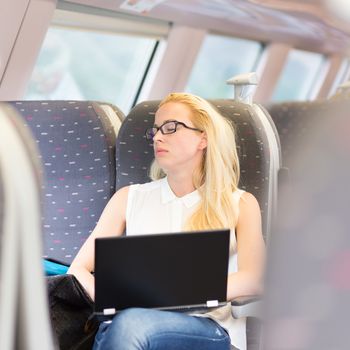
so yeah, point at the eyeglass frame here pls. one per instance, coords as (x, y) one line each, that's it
(176, 122)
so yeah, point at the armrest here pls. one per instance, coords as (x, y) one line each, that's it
(248, 306)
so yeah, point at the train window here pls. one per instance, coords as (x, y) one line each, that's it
(219, 59)
(97, 55)
(342, 76)
(299, 76)
(83, 65)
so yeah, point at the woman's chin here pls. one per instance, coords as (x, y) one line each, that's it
(164, 165)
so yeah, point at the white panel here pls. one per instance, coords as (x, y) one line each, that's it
(269, 71)
(335, 64)
(175, 67)
(322, 83)
(26, 48)
(112, 22)
(11, 17)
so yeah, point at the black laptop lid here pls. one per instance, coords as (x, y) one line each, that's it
(161, 270)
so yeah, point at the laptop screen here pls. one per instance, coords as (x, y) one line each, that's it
(161, 270)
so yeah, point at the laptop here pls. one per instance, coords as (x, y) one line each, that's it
(174, 271)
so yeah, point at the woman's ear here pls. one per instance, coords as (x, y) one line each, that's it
(204, 142)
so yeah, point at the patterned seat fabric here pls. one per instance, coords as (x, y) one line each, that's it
(293, 121)
(135, 153)
(77, 145)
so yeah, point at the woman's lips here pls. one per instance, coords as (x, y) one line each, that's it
(160, 151)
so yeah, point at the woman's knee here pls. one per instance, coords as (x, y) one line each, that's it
(126, 319)
(139, 328)
(129, 328)
(137, 318)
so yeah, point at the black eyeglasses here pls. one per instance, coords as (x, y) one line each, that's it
(168, 127)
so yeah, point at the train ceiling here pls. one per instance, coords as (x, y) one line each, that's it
(314, 24)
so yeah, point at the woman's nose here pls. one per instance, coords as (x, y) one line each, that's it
(158, 136)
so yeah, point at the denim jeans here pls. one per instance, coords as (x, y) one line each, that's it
(149, 329)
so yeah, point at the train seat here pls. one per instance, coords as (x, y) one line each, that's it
(24, 318)
(293, 121)
(307, 286)
(259, 160)
(256, 150)
(76, 140)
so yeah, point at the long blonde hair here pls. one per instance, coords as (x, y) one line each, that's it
(218, 174)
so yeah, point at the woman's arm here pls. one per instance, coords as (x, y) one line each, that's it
(250, 250)
(111, 223)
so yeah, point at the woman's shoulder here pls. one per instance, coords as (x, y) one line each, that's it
(247, 197)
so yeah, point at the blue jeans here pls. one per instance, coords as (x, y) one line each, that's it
(149, 329)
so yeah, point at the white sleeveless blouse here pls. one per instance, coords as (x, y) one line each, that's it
(154, 208)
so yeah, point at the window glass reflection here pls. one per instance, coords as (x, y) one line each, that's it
(219, 59)
(86, 65)
(299, 76)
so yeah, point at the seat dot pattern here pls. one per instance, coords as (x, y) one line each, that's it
(295, 120)
(134, 152)
(253, 151)
(77, 147)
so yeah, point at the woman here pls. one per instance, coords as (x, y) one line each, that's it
(195, 187)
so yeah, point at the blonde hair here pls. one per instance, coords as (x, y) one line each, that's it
(218, 175)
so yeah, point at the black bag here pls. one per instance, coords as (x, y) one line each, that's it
(71, 310)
